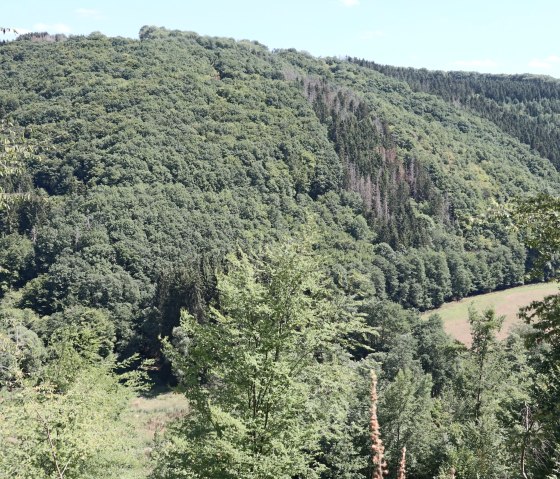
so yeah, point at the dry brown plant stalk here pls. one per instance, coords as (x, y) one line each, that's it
(401, 474)
(377, 449)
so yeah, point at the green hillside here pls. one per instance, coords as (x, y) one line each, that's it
(526, 107)
(260, 228)
(170, 151)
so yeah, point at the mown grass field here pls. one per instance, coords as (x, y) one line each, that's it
(455, 314)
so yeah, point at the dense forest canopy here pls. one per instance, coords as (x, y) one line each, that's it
(152, 174)
(170, 151)
(526, 107)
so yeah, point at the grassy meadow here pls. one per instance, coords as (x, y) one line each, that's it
(507, 302)
(148, 417)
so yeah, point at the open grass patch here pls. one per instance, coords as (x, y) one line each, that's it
(149, 417)
(507, 303)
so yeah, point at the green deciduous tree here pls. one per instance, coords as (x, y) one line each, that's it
(265, 374)
(487, 433)
(406, 418)
(21, 350)
(14, 151)
(77, 434)
(538, 218)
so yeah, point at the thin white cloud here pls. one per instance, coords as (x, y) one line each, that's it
(88, 13)
(544, 63)
(52, 28)
(350, 3)
(476, 63)
(371, 34)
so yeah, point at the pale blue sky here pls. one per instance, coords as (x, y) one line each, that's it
(501, 36)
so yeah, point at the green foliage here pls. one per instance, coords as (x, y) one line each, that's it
(484, 372)
(543, 426)
(88, 331)
(538, 218)
(61, 403)
(76, 338)
(170, 154)
(483, 411)
(437, 353)
(21, 351)
(405, 412)
(78, 434)
(517, 104)
(275, 385)
(16, 255)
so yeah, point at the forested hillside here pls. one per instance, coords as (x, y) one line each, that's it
(170, 151)
(526, 107)
(160, 172)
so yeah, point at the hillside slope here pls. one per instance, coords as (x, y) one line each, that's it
(526, 107)
(169, 151)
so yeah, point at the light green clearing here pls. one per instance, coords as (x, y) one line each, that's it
(507, 303)
(148, 417)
